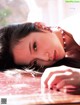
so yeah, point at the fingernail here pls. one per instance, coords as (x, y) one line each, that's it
(51, 88)
(57, 89)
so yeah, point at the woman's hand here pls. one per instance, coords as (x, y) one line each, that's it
(61, 77)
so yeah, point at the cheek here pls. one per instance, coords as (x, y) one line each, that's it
(55, 44)
(20, 55)
(45, 63)
(46, 44)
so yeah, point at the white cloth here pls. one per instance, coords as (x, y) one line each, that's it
(72, 25)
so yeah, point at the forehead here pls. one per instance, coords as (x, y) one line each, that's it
(37, 35)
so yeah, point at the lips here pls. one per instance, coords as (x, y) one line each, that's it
(54, 55)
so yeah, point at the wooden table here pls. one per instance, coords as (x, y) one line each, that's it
(21, 88)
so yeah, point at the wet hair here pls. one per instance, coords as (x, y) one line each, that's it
(10, 36)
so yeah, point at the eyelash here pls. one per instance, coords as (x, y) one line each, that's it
(35, 46)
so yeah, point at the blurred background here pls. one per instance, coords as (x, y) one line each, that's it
(51, 12)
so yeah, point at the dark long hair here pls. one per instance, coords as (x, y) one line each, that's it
(10, 35)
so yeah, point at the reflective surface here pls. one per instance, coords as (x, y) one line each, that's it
(23, 88)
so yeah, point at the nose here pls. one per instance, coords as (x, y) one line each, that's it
(44, 56)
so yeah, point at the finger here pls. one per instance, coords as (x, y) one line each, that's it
(75, 91)
(55, 79)
(52, 71)
(66, 82)
(48, 74)
(45, 77)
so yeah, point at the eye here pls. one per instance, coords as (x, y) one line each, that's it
(35, 46)
(35, 62)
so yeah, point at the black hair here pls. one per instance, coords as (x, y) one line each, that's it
(10, 35)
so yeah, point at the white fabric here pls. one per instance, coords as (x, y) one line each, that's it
(72, 25)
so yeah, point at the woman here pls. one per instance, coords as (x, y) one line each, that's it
(36, 46)
(17, 47)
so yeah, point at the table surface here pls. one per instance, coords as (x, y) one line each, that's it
(22, 88)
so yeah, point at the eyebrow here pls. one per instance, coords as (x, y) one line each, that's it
(30, 47)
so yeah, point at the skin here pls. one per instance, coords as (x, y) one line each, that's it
(44, 47)
(62, 78)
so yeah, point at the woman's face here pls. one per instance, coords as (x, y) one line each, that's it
(44, 47)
